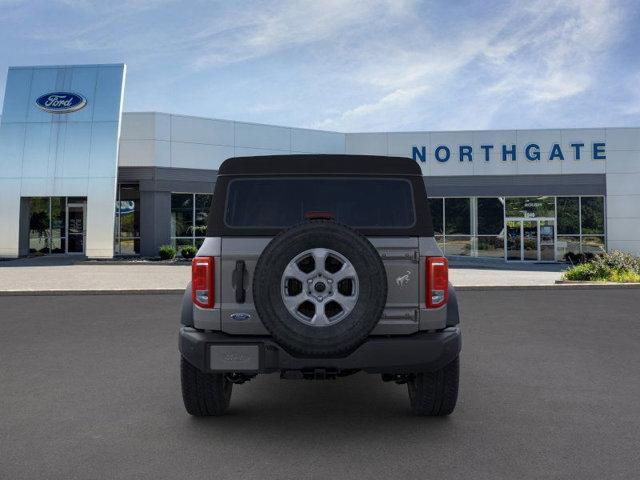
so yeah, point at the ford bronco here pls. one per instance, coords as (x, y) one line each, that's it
(315, 267)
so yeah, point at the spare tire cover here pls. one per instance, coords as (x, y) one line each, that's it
(319, 288)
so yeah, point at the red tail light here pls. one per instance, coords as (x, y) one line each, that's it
(437, 282)
(202, 285)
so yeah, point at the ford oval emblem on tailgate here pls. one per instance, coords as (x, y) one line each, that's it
(240, 316)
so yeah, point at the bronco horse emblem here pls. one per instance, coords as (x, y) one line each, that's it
(403, 280)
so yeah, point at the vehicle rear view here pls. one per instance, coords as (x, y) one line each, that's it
(319, 266)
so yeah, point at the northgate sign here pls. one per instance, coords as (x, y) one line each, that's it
(531, 152)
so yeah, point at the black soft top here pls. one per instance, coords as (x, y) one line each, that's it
(320, 164)
(324, 165)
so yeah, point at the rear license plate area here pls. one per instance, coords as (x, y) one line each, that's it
(234, 358)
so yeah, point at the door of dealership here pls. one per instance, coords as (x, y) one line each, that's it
(76, 220)
(532, 240)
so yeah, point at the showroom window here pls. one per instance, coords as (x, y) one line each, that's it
(490, 238)
(451, 219)
(189, 213)
(127, 226)
(581, 223)
(47, 228)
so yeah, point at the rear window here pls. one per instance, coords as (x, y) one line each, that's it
(282, 202)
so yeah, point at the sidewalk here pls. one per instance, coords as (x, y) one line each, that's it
(64, 274)
(69, 274)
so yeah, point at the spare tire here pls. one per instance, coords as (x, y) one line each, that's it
(319, 288)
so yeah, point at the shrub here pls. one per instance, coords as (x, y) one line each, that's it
(188, 251)
(578, 258)
(615, 266)
(167, 252)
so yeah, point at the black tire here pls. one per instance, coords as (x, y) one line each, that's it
(331, 340)
(435, 394)
(204, 394)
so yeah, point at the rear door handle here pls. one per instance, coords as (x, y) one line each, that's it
(238, 281)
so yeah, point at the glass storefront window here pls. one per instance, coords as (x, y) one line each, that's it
(567, 244)
(181, 215)
(490, 216)
(48, 224)
(592, 214)
(530, 207)
(568, 216)
(127, 227)
(593, 244)
(435, 204)
(541, 228)
(203, 203)
(490, 246)
(189, 213)
(457, 216)
(457, 245)
(39, 225)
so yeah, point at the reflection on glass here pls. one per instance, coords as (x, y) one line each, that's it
(58, 217)
(181, 214)
(547, 241)
(435, 205)
(529, 240)
(568, 244)
(58, 244)
(592, 215)
(490, 216)
(75, 228)
(530, 207)
(568, 216)
(39, 225)
(458, 245)
(457, 216)
(593, 244)
(491, 246)
(514, 238)
(181, 242)
(203, 203)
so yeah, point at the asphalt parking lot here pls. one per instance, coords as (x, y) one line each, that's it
(89, 388)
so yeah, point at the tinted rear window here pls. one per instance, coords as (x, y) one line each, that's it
(281, 202)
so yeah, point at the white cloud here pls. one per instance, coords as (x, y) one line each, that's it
(538, 54)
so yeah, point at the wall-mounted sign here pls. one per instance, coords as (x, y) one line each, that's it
(61, 102)
(532, 152)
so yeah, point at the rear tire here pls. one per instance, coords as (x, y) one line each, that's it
(434, 394)
(204, 394)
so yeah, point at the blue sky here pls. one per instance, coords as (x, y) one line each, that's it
(348, 65)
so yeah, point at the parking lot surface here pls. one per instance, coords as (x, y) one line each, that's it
(89, 388)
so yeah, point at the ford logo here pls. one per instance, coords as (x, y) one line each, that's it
(240, 316)
(61, 102)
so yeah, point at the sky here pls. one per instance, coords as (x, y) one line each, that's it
(351, 65)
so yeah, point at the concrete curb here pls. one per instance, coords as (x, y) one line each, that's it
(551, 286)
(459, 288)
(140, 291)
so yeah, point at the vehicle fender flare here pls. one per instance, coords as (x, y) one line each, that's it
(453, 314)
(186, 314)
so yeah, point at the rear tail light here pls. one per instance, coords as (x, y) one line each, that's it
(202, 285)
(437, 281)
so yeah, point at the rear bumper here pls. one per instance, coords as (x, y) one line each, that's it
(219, 352)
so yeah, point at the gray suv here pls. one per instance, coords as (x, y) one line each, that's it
(316, 267)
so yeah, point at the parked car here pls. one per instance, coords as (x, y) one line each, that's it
(316, 267)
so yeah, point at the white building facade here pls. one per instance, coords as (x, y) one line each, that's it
(99, 182)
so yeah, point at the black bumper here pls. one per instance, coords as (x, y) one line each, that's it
(420, 352)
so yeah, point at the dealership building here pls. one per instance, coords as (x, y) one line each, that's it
(80, 176)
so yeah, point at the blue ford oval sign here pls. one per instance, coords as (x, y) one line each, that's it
(61, 102)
